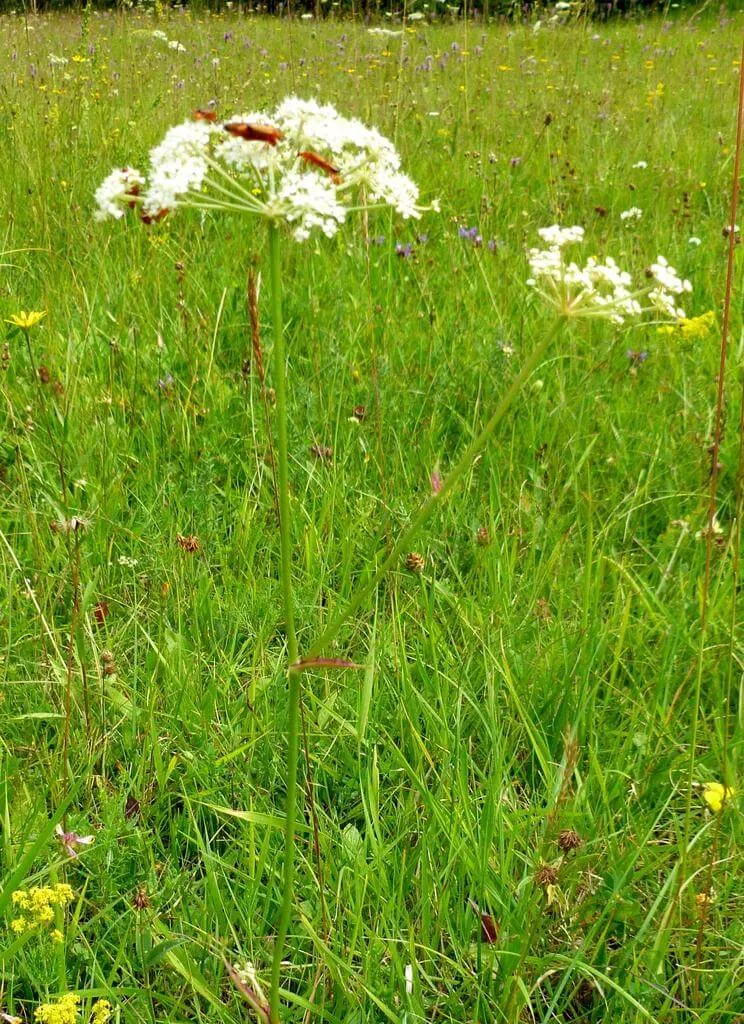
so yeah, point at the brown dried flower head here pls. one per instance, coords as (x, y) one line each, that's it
(321, 452)
(546, 875)
(569, 839)
(415, 562)
(188, 543)
(141, 900)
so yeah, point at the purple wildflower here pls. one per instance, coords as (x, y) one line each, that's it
(70, 840)
(404, 251)
(636, 358)
(473, 235)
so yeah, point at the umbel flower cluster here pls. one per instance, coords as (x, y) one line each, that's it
(601, 289)
(303, 163)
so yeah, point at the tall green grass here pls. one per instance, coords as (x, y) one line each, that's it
(539, 681)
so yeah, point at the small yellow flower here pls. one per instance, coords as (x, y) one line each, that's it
(716, 795)
(38, 905)
(698, 327)
(25, 321)
(101, 1012)
(64, 1011)
(57, 936)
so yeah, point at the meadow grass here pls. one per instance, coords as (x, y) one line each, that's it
(538, 682)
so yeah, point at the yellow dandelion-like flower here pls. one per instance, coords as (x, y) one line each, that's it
(716, 795)
(26, 320)
(64, 1011)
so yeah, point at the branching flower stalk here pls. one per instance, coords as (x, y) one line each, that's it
(599, 290)
(306, 166)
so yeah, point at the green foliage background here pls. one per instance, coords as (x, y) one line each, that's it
(548, 680)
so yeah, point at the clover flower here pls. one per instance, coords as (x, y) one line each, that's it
(304, 164)
(598, 289)
(38, 906)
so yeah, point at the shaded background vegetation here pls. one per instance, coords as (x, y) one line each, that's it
(439, 10)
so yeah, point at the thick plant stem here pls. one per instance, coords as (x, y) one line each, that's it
(451, 481)
(285, 578)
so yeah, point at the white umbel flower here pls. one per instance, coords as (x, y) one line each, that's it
(306, 202)
(669, 285)
(557, 237)
(118, 191)
(304, 164)
(599, 289)
(178, 165)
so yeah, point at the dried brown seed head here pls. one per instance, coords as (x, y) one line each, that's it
(569, 839)
(188, 543)
(415, 562)
(141, 900)
(321, 451)
(546, 875)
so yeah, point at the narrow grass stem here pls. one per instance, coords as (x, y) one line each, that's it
(453, 478)
(285, 579)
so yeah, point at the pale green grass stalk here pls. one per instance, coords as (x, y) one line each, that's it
(285, 578)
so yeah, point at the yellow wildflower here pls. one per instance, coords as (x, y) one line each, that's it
(716, 795)
(101, 1012)
(26, 320)
(64, 1011)
(697, 327)
(38, 905)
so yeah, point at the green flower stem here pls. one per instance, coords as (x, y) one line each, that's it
(285, 579)
(453, 478)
